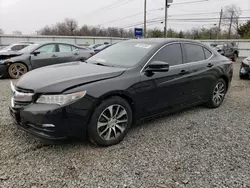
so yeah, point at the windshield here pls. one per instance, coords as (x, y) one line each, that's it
(29, 48)
(124, 54)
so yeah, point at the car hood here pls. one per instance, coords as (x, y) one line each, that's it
(59, 78)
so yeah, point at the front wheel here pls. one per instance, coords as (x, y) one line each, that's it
(110, 122)
(16, 70)
(217, 94)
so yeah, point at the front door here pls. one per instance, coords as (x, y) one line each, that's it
(166, 91)
(48, 55)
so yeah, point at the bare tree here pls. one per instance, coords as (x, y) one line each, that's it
(71, 25)
(17, 33)
(230, 17)
(1, 32)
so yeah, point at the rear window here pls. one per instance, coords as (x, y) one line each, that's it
(194, 53)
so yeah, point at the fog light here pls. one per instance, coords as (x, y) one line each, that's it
(48, 125)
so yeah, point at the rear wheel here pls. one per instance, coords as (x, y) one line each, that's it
(16, 70)
(217, 94)
(235, 56)
(110, 122)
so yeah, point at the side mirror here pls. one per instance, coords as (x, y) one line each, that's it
(35, 53)
(157, 66)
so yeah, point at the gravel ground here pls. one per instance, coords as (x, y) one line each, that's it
(198, 147)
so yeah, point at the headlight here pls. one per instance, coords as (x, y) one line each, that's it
(61, 99)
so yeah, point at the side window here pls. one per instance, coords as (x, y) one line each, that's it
(65, 48)
(194, 52)
(17, 47)
(49, 48)
(208, 54)
(73, 48)
(171, 54)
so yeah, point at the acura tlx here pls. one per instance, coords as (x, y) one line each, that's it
(129, 81)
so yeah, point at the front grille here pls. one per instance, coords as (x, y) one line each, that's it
(21, 104)
(22, 90)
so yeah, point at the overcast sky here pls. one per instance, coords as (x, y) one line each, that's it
(29, 16)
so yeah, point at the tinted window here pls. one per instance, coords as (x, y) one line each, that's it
(194, 53)
(74, 48)
(18, 47)
(171, 54)
(65, 48)
(208, 54)
(49, 48)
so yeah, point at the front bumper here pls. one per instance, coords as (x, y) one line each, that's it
(3, 70)
(52, 122)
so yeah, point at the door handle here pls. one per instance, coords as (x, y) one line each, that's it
(76, 53)
(183, 72)
(54, 56)
(210, 65)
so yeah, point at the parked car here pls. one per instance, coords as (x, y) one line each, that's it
(14, 47)
(245, 68)
(42, 54)
(227, 49)
(102, 47)
(94, 46)
(112, 90)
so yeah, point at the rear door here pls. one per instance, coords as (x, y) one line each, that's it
(48, 55)
(165, 91)
(66, 53)
(198, 58)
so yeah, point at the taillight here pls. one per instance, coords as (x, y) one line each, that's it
(92, 53)
(230, 61)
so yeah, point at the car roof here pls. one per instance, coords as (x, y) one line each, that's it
(162, 40)
(55, 42)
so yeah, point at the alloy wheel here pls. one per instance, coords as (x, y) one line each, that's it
(219, 93)
(16, 70)
(112, 122)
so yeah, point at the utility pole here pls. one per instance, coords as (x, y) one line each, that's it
(218, 31)
(166, 19)
(230, 26)
(145, 19)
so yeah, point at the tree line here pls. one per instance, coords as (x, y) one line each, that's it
(230, 24)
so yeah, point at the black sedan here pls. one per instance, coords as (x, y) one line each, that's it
(115, 88)
(245, 68)
(41, 54)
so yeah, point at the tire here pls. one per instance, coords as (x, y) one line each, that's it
(217, 94)
(16, 70)
(104, 135)
(235, 56)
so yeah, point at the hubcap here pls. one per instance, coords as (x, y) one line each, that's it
(18, 70)
(219, 93)
(112, 122)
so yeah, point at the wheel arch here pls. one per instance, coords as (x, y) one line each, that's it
(19, 62)
(225, 78)
(121, 94)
